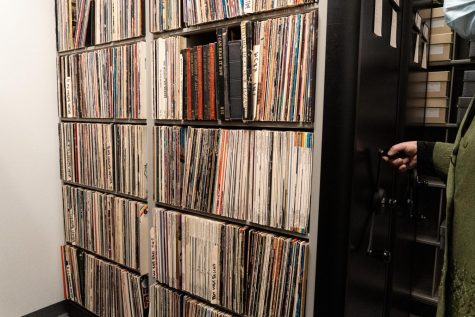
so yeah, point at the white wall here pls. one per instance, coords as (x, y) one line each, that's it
(30, 190)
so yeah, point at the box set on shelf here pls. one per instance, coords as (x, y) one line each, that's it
(224, 135)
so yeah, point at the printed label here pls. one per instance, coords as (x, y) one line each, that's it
(437, 49)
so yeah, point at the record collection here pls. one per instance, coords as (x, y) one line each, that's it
(103, 288)
(203, 11)
(170, 145)
(104, 224)
(276, 275)
(105, 83)
(199, 79)
(212, 256)
(283, 68)
(165, 302)
(87, 154)
(200, 256)
(165, 15)
(130, 160)
(280, 178)
(253, 70)
(266, 75)
(72, 23)
(168, 303)
(266, 5)
(193, 307)
(166, 247)
(231, 189)
(166, 87)
(200, 164)
(117, 20)
(261, 176)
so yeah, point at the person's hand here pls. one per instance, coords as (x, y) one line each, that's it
(409, 161)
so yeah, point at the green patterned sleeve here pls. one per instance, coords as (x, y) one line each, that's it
(441, 157)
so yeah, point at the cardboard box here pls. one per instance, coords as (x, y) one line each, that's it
(429, 102)
(417, 89)
(437, 102)
(439, 26)
(441, 47)
(430, 85)
(416, 103)
(438, 12)
(415, 77)
(425, 14)
(439, 76)
(428, 115)
(438, 84)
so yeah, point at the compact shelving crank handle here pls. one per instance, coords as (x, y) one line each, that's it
(380, 205)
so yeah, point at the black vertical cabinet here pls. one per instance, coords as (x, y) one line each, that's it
(366, 229)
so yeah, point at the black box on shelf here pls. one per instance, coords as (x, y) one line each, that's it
(468, 83)
(472, 51)
(462, 107)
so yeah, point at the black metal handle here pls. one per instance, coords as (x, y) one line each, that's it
(380, 205)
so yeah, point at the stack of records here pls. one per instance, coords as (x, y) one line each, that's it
(201, 256)
(168, 303)
(193, 308)
(117, 20)
(231, 190)
(165, 15)
(277, 272)
(72, 21)
(104, 224)
(86, 154)
(170, 145)
(200, 165)
(103, 288)
(166, 247)
(265, 5)
(106, 83)
(257, 175)
(203, 11)
(283, 68)
(73, 269)
(166, 89)
(165, 302)
(130, 160)
(280, 172)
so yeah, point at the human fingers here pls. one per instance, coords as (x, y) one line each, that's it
(409, 148)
